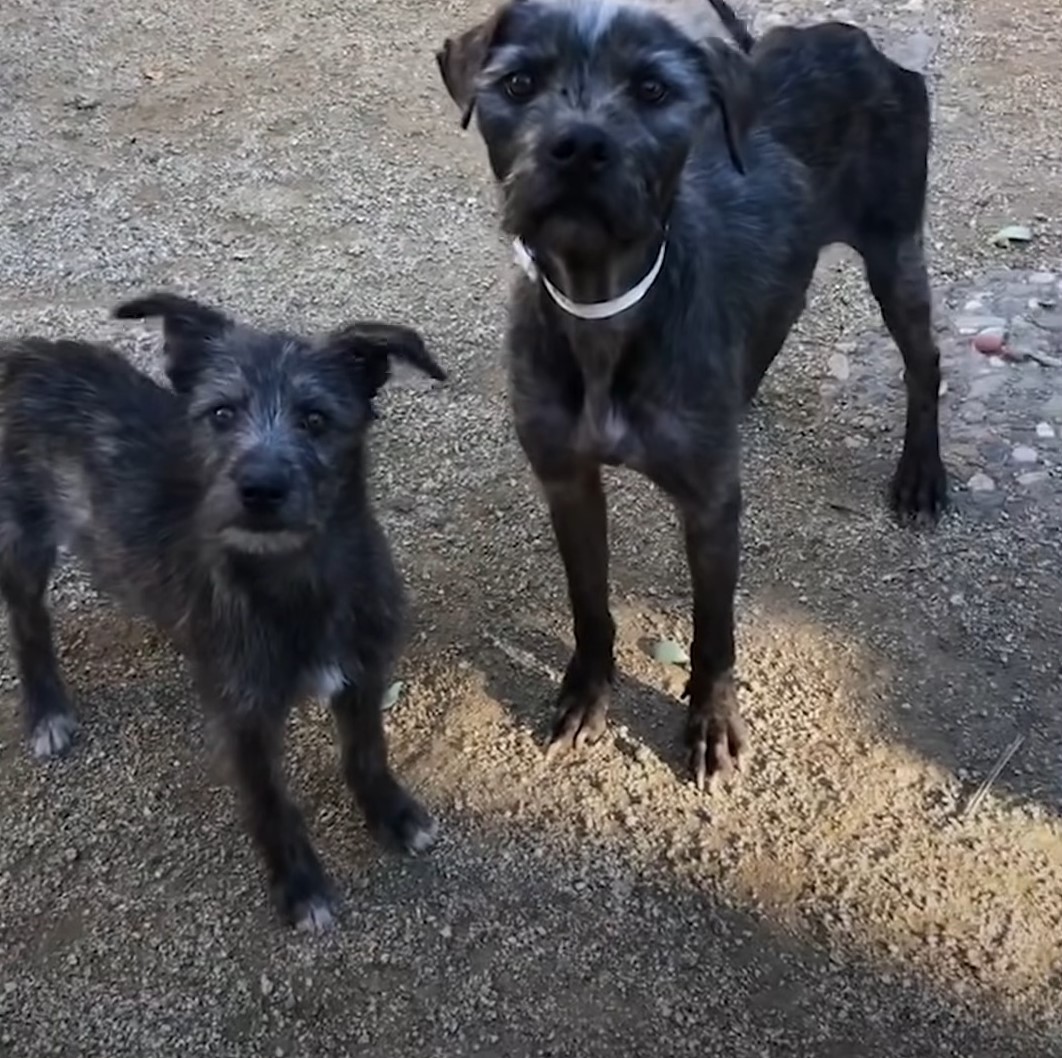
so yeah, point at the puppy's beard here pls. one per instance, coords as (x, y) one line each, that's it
(254, 542)
(591, 219)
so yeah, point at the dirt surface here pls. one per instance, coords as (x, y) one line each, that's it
(300, 163)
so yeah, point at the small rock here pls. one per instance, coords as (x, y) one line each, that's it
(981, 482)
(989, 341)
(942, 388)
(71, 854)
(1024, 454)
(668, 652)
(1042, 278)
(1032, 477)
(265, 985)
(839, 366)
(957, 599)
(968, 325)
(1045, 429)
(1010, 234)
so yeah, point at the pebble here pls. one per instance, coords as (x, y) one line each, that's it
(1032, 477)
(1024, 454)
(968, 325)
(981, 482)
(71, 854)
(1042, 278)
(839, 366)
(989, 341)
(265, 985)
(1045, 429)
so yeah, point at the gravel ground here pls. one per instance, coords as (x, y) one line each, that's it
(301, 164)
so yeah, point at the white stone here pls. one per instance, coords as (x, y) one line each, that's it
(981, 482)
(839, 366)
(1045, 429)
(1024, 454)
(1042, 278)
(1032, 477)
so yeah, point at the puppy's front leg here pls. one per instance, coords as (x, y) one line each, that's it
(300, 887)
(389, 809)
(715, 732)
(580, 524)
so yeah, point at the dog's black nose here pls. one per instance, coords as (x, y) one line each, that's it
(583, 148)
(263, 488)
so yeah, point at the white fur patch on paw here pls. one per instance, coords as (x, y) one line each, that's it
(422, 839)
(316, 917)
(53, 735)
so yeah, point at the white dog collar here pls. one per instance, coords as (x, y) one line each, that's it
(595, 310)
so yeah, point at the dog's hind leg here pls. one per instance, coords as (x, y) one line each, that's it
(715, 734)
(896, 272)
(298, 881)
(390, 810)
(580, 524)
(27, 557)
(766, 343)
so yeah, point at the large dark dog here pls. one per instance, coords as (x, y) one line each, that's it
(669, 198)
(233, 511)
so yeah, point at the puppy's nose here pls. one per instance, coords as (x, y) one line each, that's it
(263, 488)
(581, 148)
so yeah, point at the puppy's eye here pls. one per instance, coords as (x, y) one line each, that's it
(519, 86)
(650, 90)
(223, 416)
(314, 422)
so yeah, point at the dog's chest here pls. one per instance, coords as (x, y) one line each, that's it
(604, 431)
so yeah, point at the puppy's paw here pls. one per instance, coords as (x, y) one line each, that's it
(399, 819)
(52, 735)
(581, 721)
(301, 890)
(919, 491)
(315, 915)
(716, 737)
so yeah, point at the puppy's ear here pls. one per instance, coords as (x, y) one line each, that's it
(731, 86)
(187, 328)
(371, 347)
(460, 60)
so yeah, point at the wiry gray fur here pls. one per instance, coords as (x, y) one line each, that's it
(609, 130)
(232, 510)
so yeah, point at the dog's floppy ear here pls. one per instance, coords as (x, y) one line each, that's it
(731, 86)
(460, 60)
(372, 346)
(187, 329)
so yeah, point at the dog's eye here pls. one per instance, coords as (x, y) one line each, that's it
(519, 86)
(313, 422)
(651, 90)
(223, 416)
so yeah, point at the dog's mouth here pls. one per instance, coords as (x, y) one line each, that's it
(264, 541)
(571, 219)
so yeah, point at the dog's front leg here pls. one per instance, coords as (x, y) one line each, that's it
(715, 732)
(391, 812)
(580, 524)
(299, 885)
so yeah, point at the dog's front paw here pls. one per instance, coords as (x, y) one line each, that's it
(52, 735)
(716, 737)
(398, 818)
(305, 901)
(580, 721)
(920, 488)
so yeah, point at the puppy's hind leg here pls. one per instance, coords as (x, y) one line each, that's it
(27, 557)
(300, 888)
(896, 272)
(390, 810)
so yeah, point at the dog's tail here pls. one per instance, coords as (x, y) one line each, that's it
(733, 25)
